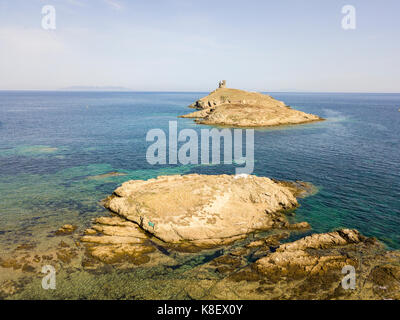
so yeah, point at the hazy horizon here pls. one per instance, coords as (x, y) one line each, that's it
(127, 90)
(189, 46)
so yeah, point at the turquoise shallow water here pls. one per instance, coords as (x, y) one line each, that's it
(54, 144)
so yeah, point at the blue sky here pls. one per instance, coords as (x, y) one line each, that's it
(183, 45)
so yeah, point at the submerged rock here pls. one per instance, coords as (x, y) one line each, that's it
(65, 229)
(8, 288)
(272, 240)
(26, 246)
(106, 175)
(239, 108)
(204, 209)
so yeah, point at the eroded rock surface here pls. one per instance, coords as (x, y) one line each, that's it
(309, 268)
(115, 240)
(302, 257)
(204, 209)
(65, 229)
(266, 265)
(239, 108)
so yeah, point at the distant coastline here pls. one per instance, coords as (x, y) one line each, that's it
(95, 88)
(123, 89)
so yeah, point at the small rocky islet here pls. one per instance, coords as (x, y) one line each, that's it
(238, 108)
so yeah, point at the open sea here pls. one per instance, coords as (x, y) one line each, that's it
(55, 147)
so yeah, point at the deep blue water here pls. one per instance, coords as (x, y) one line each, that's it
(53, 144)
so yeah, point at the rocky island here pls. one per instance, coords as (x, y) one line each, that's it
(205, 210)
(239, 108)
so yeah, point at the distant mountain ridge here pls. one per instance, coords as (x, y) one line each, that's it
(95, 88)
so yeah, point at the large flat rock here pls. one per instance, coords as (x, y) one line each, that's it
(204, 209)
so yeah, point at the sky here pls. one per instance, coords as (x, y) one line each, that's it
(184, 45)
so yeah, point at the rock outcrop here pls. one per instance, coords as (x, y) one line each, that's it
(300, 257)
(115, 240)
(266, 265)
(65, 229)
(205, 210)
(238, 108)
(309, 268)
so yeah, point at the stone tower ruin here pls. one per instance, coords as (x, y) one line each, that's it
(222, 84)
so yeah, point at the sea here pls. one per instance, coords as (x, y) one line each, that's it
(58, 148)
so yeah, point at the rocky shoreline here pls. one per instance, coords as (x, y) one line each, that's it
(224, 237)
(239, 108)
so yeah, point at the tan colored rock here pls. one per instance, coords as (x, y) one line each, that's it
(114, 231)
(65, 255)
(115, 240)
(121, 231)
(309, 268)
(324, 240)
(239, 108)
(272, 240)
(121, 253)
(203, 209)
(300, 225)
(294, 257)
(90, 232)
(10, 263)
(113, 221)
(8, 288)
(66, 229)
(26, 246)
(111, 240)
(300, 189)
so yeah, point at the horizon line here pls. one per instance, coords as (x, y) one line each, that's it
(186, 91)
